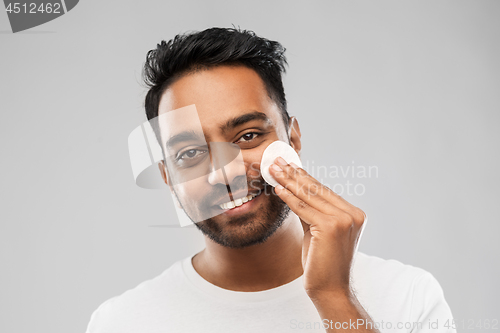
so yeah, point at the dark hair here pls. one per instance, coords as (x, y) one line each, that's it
(209, 48)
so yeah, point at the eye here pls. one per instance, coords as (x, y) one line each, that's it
(248, 137)
(190, 154)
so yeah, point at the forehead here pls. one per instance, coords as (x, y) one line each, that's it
(219, 93)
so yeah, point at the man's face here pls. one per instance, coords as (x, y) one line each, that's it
(232, 106)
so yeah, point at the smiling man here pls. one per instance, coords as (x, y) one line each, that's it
(276, 259)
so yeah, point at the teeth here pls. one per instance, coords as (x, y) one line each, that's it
(237, 202)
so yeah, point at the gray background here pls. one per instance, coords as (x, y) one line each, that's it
(411, 87)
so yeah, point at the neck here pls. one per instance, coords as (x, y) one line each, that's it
(259, 267)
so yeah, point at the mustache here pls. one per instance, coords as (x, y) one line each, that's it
(241, 183)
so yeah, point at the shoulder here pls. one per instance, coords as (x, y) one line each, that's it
(388, 269)
(371, 273)
(137, 302)
(391, 289)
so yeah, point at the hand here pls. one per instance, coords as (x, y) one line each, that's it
(331, 229)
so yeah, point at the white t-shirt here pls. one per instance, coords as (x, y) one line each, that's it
(398, 297)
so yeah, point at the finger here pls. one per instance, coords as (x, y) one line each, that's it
(304, 211)
(300, 176)
(303, 188)
(307, 188)
(311, 217)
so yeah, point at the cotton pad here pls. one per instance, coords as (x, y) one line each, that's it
(274, 150)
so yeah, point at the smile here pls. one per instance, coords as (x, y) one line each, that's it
(237, 202)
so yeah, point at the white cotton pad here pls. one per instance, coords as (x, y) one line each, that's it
(274, 150)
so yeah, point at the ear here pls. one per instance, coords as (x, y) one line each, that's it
(294, 134)
(164, 172)
(166, 179)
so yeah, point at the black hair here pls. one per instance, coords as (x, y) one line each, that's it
(209, 48)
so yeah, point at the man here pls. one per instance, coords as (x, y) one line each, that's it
(276, 260)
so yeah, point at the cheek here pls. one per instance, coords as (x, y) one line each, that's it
(186, 178)
(253, 157)
(192, 189)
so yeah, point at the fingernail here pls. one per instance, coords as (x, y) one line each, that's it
(276, 167)
(293, 165)
(281, 161)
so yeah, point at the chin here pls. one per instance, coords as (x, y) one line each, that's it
(246, 231)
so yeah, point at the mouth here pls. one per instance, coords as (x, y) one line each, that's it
(238, 202)
(241, 205)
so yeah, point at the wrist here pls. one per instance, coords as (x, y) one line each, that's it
(336, 296)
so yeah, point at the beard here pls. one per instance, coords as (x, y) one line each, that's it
(250, 228)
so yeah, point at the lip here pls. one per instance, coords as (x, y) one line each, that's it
(247, 206)
(237, 195)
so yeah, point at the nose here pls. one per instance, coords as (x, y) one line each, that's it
(227, 163)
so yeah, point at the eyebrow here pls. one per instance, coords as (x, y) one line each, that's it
(240, 120)
(184, 136)
(229, 125)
